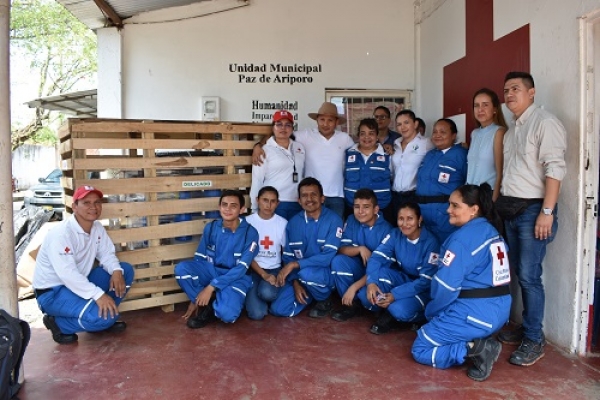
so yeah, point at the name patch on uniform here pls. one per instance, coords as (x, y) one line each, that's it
(338, 233)
(352, 158)
(500, 266)
(381, 158)
(298, 253)
(433, 258)
(448, 258)
(444, 177)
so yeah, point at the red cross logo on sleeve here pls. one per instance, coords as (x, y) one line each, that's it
(266, 243)
(500, 255)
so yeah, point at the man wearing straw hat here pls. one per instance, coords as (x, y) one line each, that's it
(325, 154)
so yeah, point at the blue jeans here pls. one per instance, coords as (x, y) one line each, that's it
(336, 204)
(260, 295)
(525, 254)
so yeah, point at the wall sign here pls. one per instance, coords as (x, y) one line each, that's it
(262, 111)
(274, 73)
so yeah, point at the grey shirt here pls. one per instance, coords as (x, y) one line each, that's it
(534, 148)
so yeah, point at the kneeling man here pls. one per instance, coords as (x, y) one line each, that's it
(73, 295)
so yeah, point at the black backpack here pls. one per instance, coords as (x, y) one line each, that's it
(14, 337)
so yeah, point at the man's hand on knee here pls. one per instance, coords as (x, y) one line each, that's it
(117, 283)
(106, 307)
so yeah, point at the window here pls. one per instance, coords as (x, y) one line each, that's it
(356, 104)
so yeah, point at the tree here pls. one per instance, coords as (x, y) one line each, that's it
(60, 51)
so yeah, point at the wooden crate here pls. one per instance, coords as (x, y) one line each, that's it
(161, 163)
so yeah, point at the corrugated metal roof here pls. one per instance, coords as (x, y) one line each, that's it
(88, 12)
(82, 103)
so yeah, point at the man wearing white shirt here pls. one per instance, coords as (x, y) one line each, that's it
(73, 295)
(325, 152)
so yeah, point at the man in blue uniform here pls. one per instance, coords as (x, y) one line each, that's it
(363, 232)
(217, 279)
(74, 295)
(313, 238)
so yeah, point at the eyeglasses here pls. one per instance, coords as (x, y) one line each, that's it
(380, 117)
(282, 125)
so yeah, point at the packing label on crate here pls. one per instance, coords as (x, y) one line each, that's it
(196, 184)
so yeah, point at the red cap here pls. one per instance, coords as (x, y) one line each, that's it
(282, 114)
(84, 190)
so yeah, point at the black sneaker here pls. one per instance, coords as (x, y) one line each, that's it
(117, 327)
(528, 353)
(516, 336)
(57, 335)
(204, 317)
(385, 323)
(485, 353)
(321, 309)
(345, 313)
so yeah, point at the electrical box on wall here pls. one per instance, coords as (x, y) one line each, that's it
(211, 108)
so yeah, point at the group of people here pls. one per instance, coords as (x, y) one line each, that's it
(422, 245)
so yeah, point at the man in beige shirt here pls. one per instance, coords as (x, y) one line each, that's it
(534, 166)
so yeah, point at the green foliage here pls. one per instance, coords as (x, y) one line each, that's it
(60, 50)
(45, 136)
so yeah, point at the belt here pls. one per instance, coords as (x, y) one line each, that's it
(407, 193)
(496, 291)
(39, 292)
(433, 199)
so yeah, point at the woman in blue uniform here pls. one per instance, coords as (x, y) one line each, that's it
(470, 298)
(399, 272)
(367, 166)
(444, 169)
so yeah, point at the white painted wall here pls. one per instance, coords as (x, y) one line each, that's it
(110, 88)
(31, 162)
(554, 37)
(168, 67)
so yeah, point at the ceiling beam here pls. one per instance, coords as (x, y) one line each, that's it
(110, 13)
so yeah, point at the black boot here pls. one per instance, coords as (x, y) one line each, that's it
(57, 335)
(346, 312)
(206, 315)
(321, 309)
(484, 354)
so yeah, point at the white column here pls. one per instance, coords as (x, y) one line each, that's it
(110, 84)
(8, 275)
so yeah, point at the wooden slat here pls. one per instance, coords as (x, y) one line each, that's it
(117, 163)
(163, 184)
(171, 126)
(154, 286)
(153, 272)
(160, 253)
(194, 144)
(139, 304)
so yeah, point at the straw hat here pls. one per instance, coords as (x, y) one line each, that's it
(328, 108)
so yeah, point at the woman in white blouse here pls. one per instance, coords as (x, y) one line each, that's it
(282, 168)
(409, 151)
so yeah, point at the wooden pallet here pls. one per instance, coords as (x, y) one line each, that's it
(163, 163)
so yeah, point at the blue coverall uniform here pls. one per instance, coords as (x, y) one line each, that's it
(221, 260)
(440, 174)
(405, 269)
(474, 257)
(374, 174)
(345, 269)
(313, 244)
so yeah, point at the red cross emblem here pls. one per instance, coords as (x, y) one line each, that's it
(67, 250)
(500, 255)
(266, 242)
(485, 63)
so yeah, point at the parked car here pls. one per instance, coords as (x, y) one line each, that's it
(48, 193)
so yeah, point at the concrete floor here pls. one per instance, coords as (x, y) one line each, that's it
(158, 357)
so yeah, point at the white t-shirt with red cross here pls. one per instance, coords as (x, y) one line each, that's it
(271, 239)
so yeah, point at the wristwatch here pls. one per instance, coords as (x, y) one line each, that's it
(547, 211)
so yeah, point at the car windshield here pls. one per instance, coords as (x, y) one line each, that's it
(54, 176)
